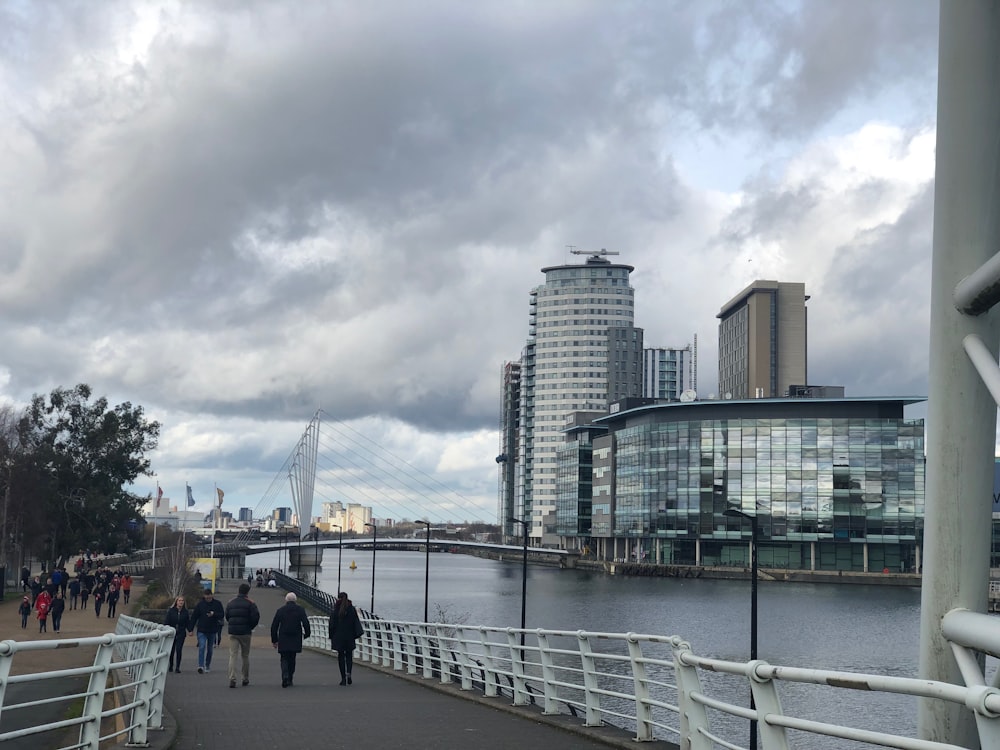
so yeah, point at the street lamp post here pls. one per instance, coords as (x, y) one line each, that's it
(316, 558)
(753, 607)
(374, 544)
(427, 564)
(524, 570)
(340, 552)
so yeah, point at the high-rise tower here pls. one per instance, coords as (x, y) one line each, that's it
(762, 341)
(510, 407)
(583, 351)
(668, 372)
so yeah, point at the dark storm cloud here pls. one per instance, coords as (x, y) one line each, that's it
(248, 211)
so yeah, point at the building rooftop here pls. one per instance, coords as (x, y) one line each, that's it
(871, 407)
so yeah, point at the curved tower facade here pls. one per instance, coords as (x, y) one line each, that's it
(583, 352)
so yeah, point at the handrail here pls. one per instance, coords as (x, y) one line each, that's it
(658, 687)
(134, 655)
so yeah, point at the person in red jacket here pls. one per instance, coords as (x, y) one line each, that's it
(42, 604)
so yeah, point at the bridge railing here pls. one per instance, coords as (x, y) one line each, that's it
(659, 688)
(134, 656)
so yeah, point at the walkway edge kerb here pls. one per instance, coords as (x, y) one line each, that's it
(608, 735)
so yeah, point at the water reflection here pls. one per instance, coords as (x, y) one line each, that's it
(837, 627)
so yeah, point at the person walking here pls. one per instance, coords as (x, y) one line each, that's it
(42, 603)
(25, 611)
(74, 593)
(243, 616)
(57, 608)
(112, 600)
(98, 600)
(84, 593)
(345, 628)
(288, 629)
(179, 619)
(207, 620)
(126, 587)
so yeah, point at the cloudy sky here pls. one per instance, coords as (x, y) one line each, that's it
(238, 213)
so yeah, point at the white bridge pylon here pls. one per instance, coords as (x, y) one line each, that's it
(302, 476)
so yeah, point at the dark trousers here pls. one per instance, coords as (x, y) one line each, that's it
(345, 660)
(176, 649)
(287, 665)
(56, 622)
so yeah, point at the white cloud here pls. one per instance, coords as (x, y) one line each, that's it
(237, 214)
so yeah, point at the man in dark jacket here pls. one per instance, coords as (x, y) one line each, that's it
(288, 628)
(207, 619)
(242, 615)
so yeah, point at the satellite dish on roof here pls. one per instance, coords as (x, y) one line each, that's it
(689, 395)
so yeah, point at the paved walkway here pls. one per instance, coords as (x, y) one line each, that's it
(383, 708)
(380, 709)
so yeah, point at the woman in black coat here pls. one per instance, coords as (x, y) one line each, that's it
(288, 629)
(345, 628)
(178, 618)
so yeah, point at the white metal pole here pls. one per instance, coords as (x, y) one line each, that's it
(215, 501)
(961, 418)
(156, 509)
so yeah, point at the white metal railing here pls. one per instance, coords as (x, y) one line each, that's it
(133, 657)
(658, 687)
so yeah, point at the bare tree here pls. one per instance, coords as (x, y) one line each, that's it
(177, 568)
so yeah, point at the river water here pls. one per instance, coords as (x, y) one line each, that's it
(872, 629)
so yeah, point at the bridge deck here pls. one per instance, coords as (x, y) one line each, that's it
(378, 710)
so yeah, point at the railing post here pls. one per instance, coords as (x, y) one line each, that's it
(144, 692)
(394, 636)
(425, 652)
(550, 706)
(368, 639)
(766, 701)
(693, 716)
(490, 678)
(411, 643)
(643, 711)
(93, 704)
(590, 684)
(464, 659)
(521, 697)
(385, 643)
(7, 650)
(443, 666)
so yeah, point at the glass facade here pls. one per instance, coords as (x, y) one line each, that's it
(833, 493)
(574, 490)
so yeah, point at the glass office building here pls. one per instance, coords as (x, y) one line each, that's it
(835, 484)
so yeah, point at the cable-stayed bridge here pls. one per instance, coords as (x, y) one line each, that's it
(333, 462)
